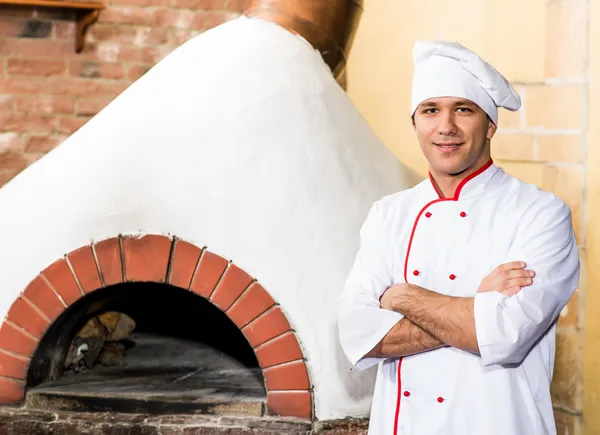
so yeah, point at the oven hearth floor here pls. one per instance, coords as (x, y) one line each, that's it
(162, 375)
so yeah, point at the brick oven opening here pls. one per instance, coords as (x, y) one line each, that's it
(145, 347)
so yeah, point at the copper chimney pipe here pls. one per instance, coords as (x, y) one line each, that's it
(329, 25)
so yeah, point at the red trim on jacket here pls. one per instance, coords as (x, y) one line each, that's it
(414, 228)
(410, 240)
(399, 396)
(440, 199)
(462, 183)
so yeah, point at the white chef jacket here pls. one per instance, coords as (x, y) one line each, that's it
(449, 246)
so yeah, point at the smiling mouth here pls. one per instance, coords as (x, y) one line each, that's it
(448, 145)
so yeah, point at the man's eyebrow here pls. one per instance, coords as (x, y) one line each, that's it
(428, 104)
(464, 103)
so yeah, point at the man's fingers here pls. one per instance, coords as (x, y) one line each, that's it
(511, 266)
(512, 274)
(517, 282)
(511, 291)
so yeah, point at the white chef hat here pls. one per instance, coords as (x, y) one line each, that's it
(447, 69)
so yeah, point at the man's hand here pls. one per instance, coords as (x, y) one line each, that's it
(507, 279)
(386, 301)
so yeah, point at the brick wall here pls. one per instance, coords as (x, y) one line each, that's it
(47, 91)
(545, 143)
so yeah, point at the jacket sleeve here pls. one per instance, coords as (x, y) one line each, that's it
(508, 327)
(361, 321)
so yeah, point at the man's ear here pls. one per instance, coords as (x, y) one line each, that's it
(412, 118)
(491, 130)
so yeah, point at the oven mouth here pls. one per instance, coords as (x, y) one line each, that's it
(183, 355)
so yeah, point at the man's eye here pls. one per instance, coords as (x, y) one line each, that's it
(429, 111)
(464, 109)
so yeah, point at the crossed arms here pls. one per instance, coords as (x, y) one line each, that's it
(512, 308)
(432, 320)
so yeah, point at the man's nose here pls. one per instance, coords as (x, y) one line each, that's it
(447, 125)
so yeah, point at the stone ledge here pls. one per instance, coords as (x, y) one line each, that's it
(18, 421)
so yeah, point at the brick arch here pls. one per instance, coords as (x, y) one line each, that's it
(160, 259)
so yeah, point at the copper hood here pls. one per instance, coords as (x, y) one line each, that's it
(329, 25)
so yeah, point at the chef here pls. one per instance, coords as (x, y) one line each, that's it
(459, 281)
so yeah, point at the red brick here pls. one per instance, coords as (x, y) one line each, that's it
(269, 325)
(90, 50)
(42, 144)
(6, 103)
(136, 54)
(92, 69)
(179, 19)
(84, 265)
(16, 341)
(27, 123)
(33, 157)
(36, 67)
(46, 48)
(9, 142)
(146, 258)
(91, 106)
(12, 367)
(123, 15)
(84, 87)
(208, 20)
(10, 47)
(42, 296)
(180, 36)
(6, 176)
(137, 71)
(292, 376)
(61, 278)
(234, 282)
(164, 3)
(11, 391)
(142, 36)
(11, 27)
(290, 403)
(185, 260)
(22, 85)
(236, 5)
(13, 160)
(108, 253)
(70, 125)
(282, 349)
(209, 272)
(23, 315)
(45, 104)
(199, 4)
(251, 304)
(102, 31)
(64, 30)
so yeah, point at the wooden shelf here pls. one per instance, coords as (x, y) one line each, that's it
(86, 13)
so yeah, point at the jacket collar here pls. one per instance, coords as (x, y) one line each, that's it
(475, 184)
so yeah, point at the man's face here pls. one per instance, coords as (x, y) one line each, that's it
(454, 134)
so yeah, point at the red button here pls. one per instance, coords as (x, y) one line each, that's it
(427, 215)
(452, 277)
(406, 393)
(440, 399)
(416, 273)
(463, 214)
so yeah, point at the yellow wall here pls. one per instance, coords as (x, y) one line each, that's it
(541, 47)
(591, 364)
